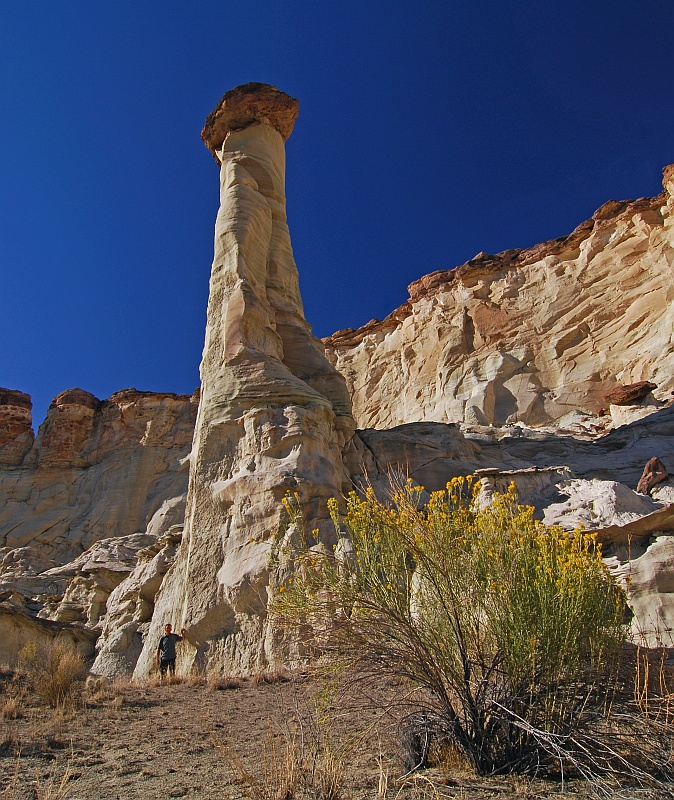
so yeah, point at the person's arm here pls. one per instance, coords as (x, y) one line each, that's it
(157, 654)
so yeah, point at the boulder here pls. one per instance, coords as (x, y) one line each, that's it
(654, 472)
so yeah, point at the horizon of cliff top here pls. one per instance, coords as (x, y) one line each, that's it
(13, 398)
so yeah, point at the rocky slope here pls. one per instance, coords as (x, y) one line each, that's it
(526, 335)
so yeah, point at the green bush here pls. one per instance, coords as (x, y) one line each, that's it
(513, 628)
(54, 670)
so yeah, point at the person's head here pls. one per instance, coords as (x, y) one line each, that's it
(168, 628)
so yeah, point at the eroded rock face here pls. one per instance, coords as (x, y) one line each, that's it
(16, 431)
(18, 627)
(506, 367)
(96, 470)
(130, 606)
(526, 335)
(274, 414)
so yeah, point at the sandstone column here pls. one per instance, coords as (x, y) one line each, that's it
(274, 414)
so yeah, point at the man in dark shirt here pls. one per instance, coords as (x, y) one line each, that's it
(166, 650)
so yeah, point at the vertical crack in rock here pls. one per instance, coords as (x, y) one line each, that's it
(274, 414)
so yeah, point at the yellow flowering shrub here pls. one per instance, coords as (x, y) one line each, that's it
(511, 626)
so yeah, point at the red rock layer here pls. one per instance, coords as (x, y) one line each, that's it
(16, 432)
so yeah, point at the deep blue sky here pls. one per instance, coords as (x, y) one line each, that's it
(428, 131)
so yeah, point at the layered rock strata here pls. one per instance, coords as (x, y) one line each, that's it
(105, 477)
(506, 367)
(16, 427)
(527, 335)
(96, 469)
(274, 414)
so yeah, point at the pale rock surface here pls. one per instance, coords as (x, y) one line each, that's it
(623, 415)
(93, 576)
(96, 470)
(431, 453)
(130, 607)
(116, 471)
(664, 492)
(18, 627)
(526, 335)
(597, 504)
(274, 414)
(647, 571)
(535, 486)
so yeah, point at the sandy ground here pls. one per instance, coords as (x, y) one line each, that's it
(125, 742)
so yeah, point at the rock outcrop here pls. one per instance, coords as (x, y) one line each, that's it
(130, 606)
(274, 414)
(96, 469)
(526, 335)
(16, 427)
(102, 478)
(654, 472)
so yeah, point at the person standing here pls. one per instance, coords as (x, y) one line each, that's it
(166, 650)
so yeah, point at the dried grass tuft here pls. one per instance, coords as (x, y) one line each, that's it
(12, 707)
(220, 683)
(54, 671)
(56, 787)
(270, 676)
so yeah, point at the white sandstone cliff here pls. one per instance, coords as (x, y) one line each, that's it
(526, 335)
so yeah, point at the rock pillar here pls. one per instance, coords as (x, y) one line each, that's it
(274, 414)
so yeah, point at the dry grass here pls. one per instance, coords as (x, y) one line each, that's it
(56, 787)
(281, 770)
(328, 776)
(219, 683)
(192, 680)
(12, 707)
(450, 760)
(53, 670)
(9, 792)
(272, 676)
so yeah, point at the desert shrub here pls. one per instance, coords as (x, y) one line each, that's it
(54, 670)
(514, 629)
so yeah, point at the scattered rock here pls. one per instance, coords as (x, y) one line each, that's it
(654, 472)
(628, 395)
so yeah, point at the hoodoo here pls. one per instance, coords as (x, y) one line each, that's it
(274, 414)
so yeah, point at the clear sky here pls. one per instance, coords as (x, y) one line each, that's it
(428, 131)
